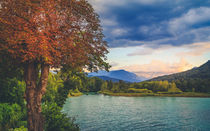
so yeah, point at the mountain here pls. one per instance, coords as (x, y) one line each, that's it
(108, 78)
(117, 75)
(197, 78)
(197, 72)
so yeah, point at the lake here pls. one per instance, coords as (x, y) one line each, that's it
(111, 113)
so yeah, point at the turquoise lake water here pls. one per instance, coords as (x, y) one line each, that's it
(111, 113)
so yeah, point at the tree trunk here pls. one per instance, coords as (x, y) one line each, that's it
(34, 93)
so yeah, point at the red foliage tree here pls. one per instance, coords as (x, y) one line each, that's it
(43, 34)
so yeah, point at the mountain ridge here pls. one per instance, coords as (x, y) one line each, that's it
(195, 79)
(117, 75)
(189, 73)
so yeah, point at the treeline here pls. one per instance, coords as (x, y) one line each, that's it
(96, 84)
(177, 85)
(193, 84)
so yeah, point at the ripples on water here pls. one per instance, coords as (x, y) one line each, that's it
(107, 113)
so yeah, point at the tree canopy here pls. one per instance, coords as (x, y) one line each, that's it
(54, 32)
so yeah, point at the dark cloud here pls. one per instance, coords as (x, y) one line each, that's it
(152, 22)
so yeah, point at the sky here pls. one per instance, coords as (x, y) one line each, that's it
(155, 37)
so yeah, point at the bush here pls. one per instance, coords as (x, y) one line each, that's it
(12, 91)
(75, 92)
(11, 116)
(22, 128)
(55, 120)
(173, 89)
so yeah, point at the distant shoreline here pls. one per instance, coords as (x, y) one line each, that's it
(184, 94)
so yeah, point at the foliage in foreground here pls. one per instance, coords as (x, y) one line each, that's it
(55, 120)
(11, 116)
(12, 91)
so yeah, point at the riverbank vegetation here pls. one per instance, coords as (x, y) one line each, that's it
(68, 83)
(183, 94)
(145, 88)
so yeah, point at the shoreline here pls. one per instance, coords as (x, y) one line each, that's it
(75, 94)
(185, 94)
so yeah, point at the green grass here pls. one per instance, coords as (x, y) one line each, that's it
(126, 94)
(134, 90)
(184, 94)
(187, 94)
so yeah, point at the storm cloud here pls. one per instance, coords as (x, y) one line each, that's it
(154, 22)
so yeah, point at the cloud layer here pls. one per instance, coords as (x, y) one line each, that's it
(194, 49)
(155, 37)
(154, 22)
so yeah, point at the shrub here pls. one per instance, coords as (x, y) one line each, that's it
(55, 120)
(22, 128)
(133, 90)
(173, 89)
(11, 116)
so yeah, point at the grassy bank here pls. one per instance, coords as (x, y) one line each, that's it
(74, 93)
(186, 94)
(183, 94)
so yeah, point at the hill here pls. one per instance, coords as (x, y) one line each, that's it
(196, 79)
(108, 78)
(117, 75)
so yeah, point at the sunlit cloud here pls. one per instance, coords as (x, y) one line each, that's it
(113, 64)
(142, 50)
(157, 68)
(196, 49)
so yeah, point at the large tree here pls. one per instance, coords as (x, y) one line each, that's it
(41, 34)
